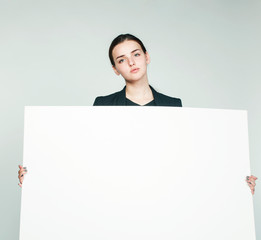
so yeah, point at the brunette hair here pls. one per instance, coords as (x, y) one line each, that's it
(121, 38)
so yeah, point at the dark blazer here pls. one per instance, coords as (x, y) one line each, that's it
(119, 99)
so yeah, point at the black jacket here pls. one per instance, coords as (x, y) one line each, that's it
(119, 99)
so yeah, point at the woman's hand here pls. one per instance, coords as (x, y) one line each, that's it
(251, 181)
(22, 171)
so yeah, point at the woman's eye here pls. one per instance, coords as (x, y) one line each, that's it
(136, 54)
(121, 61)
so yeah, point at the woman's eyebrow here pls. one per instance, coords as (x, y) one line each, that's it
(131, 52)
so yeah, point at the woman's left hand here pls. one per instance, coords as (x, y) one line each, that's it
(251, 181)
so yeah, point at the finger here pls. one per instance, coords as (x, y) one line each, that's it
(253, 191)
(253, 182)
(21, 167)
(251, 185)
(252, 188)
(253, 177)
(22, 173)
(21, 176)
(21, 179)
(250, 179)
(20, 184)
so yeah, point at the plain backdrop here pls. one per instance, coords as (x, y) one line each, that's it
(207, 52)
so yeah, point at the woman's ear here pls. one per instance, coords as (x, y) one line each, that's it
(115, 70)
(147, 57)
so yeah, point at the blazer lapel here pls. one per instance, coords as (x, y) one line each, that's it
(155, 96)
(121, 98)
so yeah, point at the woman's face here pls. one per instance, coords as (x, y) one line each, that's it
(130, 61)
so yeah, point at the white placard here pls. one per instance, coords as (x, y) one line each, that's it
(126, 173)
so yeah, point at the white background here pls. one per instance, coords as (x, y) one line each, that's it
(55, 53)
(164, 177)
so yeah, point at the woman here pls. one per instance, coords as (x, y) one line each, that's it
(129, 58)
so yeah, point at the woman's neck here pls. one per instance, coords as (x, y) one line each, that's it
(139, 92)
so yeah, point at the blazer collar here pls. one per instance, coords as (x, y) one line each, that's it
(155, 96)
(122, 97)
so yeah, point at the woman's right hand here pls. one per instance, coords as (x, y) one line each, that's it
(22, 171)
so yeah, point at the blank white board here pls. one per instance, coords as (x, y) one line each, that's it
(126, 173)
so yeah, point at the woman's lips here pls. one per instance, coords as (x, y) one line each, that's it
(134, 70)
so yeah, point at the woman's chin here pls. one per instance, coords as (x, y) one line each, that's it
(136, 78)
(133, 80)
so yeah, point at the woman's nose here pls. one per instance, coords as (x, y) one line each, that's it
(131, 61)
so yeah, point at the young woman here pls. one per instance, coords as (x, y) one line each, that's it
(129, 58)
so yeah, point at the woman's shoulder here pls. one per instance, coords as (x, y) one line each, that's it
(164, 100)
(114, 99)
